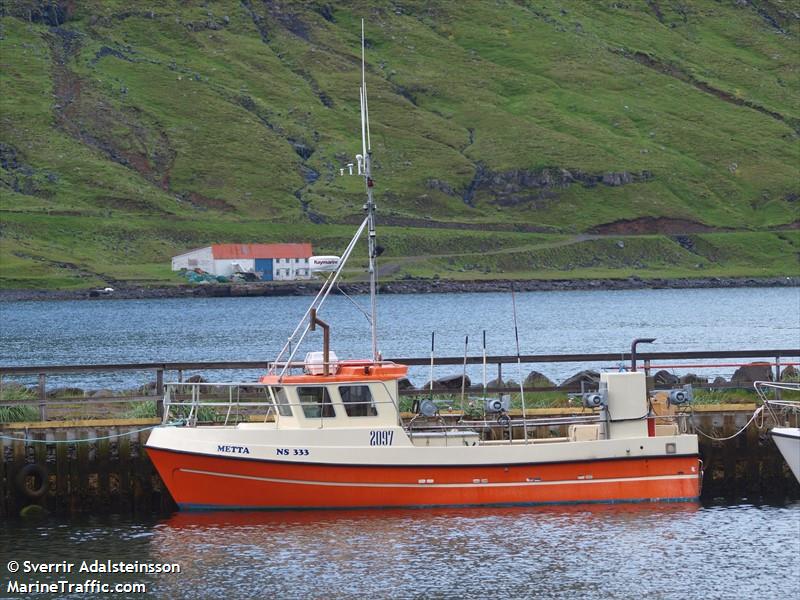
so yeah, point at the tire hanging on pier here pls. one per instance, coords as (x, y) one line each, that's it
(40, 478)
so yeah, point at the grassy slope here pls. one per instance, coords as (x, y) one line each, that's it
(132, 135)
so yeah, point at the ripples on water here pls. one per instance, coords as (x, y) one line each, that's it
(595, 551)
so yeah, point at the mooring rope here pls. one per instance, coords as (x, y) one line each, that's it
(756, 413)
(28, 440)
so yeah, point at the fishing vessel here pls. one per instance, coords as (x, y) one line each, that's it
(330, 433)
(784, 413)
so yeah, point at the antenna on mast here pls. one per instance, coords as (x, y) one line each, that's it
(365, 106)
(369, 207)
(364, 168)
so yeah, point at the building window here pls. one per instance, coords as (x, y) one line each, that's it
(316, 402)
(358, 401)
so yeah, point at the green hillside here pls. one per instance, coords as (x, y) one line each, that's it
(528, 138)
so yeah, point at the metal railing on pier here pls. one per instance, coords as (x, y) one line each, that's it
(775, 359)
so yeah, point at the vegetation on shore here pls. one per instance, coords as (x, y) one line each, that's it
(547, 139)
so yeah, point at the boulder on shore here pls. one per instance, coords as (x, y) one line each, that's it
(536, 379)
(692, 379)
(790, 374)
(589, 378)
(664, 378)
(747, 374)
(405, 384)
(65, 392)
(451, 382)
(147, 389)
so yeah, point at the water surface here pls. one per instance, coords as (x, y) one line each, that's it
(594, 551)
(231, 329)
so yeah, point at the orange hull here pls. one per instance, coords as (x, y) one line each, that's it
(206, 482)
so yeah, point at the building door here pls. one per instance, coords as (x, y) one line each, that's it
(264, 268)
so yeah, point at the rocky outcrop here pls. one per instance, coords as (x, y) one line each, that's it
(46, 12)
(21, 177)
(652, 225)
(535, 187)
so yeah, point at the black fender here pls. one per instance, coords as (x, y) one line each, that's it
(40, 477)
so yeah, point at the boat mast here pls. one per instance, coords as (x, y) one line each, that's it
(369, 207)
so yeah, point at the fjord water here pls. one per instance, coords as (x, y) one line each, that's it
(254, 329)
(593, 551)
(666, 551)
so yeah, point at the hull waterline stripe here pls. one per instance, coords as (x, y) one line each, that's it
(435, 485)
(229, 507)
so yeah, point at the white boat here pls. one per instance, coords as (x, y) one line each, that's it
(784, 412)
(330, 434)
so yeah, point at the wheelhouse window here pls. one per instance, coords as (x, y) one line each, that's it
(316, 402)
(282, 402)
(358, 401)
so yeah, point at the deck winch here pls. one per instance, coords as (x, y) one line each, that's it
(682, 396)
(498, 405)
(596, 399)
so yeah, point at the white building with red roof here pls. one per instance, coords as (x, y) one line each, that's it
(269, 262)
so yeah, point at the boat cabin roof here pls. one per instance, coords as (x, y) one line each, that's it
(344, 371)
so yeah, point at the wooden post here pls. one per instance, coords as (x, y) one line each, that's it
(19, 458)
(144, 476)
(752, 453)
(729, 457)
(159, 393)
(40, 457)
(73, 502)
(81, 493)
(4, 485)
(123, 466)
(62, 471)
(777, 376)
(709, 454)
(42, 398)
(102, 463)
